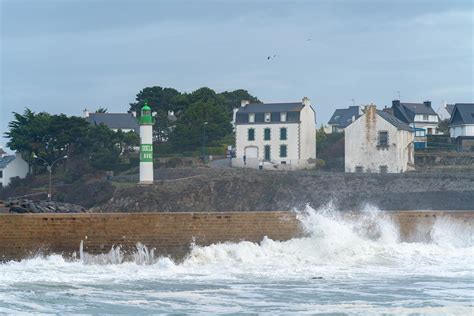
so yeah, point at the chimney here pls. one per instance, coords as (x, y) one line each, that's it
(134, 113)
(306, 101)
(427, 103)
(85, 113)
(371, 110)
(244, 103)
(395, 103)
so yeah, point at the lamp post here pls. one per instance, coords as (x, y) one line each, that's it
(204, 142)
(49, 167)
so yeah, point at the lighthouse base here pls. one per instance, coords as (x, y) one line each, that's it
(145, 182)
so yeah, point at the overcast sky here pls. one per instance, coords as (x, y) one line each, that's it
(63, 56)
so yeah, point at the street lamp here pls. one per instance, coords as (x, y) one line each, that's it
(204, 142)
(50, 170)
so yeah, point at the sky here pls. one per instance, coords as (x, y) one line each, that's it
(64, 56)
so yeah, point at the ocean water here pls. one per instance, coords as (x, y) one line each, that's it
(345, 266)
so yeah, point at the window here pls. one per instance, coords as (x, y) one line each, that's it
(251, 134)
(383, 139)
(267, 117)
(267, 152)
(283, 117)
(1, 173)
(266, 134)
(420, 132)
(283, 162)
(283, 133)
(430, 131)
(383, 169)
(251, 117)
(359, 169)
(283, 151)
(425, 117)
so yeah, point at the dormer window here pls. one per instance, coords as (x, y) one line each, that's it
(268, 117)
(251, 117)
(425, 117)
(283, 117)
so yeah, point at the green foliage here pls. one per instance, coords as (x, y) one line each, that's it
(443, 126)
(191, 131)
(330, 149)
(101, 110)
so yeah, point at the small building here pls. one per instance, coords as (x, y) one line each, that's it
(461, 126)
(417, 115)
(378, 142)
(126, 122)
(11, 166)
(275, 135)
(342, 118)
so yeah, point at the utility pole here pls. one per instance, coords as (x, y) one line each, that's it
(49, 167)
(204, 142)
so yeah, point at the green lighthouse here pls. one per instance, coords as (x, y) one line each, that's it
(146, 145)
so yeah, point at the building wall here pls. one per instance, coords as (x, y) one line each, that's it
(171, 234)
(463, 130)
(361, 139)
(16, 168)
(431, 118)
(307, 136)
(292, 142)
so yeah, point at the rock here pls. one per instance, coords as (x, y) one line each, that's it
(18, 209)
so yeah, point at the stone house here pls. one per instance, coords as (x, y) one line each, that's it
(378, 142)
(341, 118)
(11, 166)
(275, 135)
(461, 126)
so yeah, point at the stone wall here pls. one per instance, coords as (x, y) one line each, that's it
(171, 234)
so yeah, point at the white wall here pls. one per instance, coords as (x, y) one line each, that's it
(292, 140)
(462, 130)
(307, 135)
(431, 118)
(361, 139)
(16, 168)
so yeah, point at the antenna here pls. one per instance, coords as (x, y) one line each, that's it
(353, 102)
(398, 92)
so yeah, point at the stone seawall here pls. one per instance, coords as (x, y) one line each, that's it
(171, 234)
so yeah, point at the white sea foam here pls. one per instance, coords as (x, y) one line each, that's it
(356, 256)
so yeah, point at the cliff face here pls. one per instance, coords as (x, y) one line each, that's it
(212, 190)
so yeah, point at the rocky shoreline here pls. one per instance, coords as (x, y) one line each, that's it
(21, 206)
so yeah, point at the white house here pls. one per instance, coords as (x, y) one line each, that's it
(461, 125)
(417, 115)
(378, 142)
(11, 166)
(341, 118)
(275, 135)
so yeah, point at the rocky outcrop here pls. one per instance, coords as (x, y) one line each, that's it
(252, 190)
(29, 206)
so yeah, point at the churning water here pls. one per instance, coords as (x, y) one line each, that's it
(353, 266)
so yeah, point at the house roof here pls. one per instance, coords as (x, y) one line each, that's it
(271, 107)
(463, 113)
(5, 160)
(114, 120)
(394, 121)
(343, 117)
(409, 110)
(450, 108)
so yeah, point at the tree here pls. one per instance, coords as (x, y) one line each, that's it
(101, 110)
(189, 131)
(233, 98)
(443, 126)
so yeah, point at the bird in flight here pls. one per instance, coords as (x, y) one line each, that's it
(271, 57)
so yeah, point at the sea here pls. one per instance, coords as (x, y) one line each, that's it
(344, 266)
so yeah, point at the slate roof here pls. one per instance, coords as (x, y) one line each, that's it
(115, 120)
(394, 121)
(271, 107)
(407, 111)
(343, 117)
(450, 108)
(5, 160)
(463, 113)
